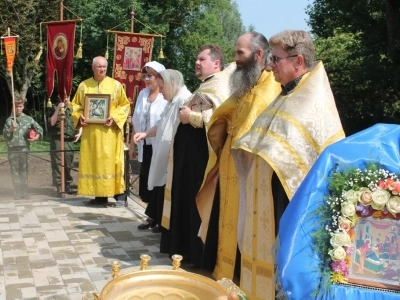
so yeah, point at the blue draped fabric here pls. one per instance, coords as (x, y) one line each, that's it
(297, 263)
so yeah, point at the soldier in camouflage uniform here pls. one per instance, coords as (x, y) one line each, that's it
(70, 136)
(15, 133)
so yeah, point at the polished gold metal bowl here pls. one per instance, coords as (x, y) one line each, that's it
(160, 283)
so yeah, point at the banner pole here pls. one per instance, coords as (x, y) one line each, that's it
(12, 93)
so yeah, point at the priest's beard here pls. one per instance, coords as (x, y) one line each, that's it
(245, 77)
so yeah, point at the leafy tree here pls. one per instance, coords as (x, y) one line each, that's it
(23, 18)
(360, 44)
(187, 24)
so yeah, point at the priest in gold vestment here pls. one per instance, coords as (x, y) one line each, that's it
(254, 89)
(273, 158)
(101, 161)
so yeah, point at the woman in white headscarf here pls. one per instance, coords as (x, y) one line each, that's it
(150, 104)
(173, 88)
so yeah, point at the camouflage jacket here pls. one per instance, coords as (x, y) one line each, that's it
(69, 128)
(17, 138)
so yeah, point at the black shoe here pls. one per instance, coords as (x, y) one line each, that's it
(156, 229)
(68, 188)
(150, 224)
(98, 201)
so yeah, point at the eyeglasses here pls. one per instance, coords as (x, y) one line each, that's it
(276, 59)
(147, 76)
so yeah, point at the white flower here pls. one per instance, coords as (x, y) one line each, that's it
(365, 197)
(340, 239)
(379, 198)
(350, 196)
(393, 205)
(338, 253)
(348, 209)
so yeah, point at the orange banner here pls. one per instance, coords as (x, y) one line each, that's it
(10, 44)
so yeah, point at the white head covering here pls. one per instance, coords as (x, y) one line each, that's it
(156, 66)
(173, 82)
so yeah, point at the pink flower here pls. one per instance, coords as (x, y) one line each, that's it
(382, 184)
(340, 267)
(395, 188)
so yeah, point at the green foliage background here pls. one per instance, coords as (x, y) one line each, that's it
(359, 43)
(186, 25)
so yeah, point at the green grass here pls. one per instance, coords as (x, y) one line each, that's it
(40, 145)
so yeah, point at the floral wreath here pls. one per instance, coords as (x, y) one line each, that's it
(371, 192)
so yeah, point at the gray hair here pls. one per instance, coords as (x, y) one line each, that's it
(97, 58)
(296, 42)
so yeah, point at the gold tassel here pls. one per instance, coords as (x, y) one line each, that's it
(106, 54)
(37, 57)
(49, 104)
(79, 52)
(62, 111)
(161, 54)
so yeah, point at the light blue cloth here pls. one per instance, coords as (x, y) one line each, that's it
(297, 263)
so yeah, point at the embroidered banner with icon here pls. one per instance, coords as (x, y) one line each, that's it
(132, 52)
(60, 56)
(10, 44)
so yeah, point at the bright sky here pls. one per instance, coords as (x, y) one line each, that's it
(270, 17)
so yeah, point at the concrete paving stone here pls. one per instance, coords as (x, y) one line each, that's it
(66, 248)
(55, 280)
(61, 297)
(28, 292)
(99, 285)
(51, 290)
(13, 293)
(73, 287)
(9, 261)
(7, 234)
(56, 235)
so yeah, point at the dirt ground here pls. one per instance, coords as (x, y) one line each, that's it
(40, 181)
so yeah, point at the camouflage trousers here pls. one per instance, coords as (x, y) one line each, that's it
(55, 158)
(19, 165)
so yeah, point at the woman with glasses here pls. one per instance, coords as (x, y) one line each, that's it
(173, 88)
(150, 104)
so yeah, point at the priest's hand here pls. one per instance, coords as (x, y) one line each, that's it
(184, 113)
(109, 121)
(82, 120)
(139, 136)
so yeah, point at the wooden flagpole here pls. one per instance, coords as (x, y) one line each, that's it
(62, 122)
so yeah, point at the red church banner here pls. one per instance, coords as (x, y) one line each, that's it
(60, 56)
(10, 46)
(132, 52)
